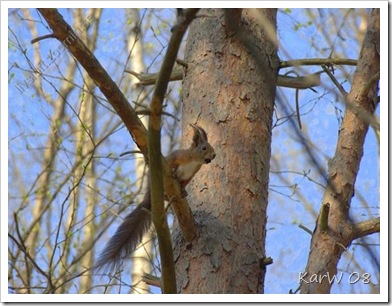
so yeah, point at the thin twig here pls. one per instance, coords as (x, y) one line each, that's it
(37, 39)
(335, 81)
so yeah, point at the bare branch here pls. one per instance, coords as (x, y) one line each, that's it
(150, 79)
(365, 228)
(155, 157)
(152, 280)
(303, 227)
(300, 82)
(31, 259)
(65, 34)
(317, 61)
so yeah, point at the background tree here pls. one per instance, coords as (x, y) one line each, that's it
(335, 229)
(141, 261)
(81, 161)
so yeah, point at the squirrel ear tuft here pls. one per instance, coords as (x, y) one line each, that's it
(198, 133)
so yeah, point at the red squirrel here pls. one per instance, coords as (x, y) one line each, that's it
(184, 164)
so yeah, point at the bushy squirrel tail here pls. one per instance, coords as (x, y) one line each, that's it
(128, 235)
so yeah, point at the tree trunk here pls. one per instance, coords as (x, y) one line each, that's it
(229, 90)
(330, 242)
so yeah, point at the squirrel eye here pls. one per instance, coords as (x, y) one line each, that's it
(204, 148)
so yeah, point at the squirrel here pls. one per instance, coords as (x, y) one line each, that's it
(185, 164)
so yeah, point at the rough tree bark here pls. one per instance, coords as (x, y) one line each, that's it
(330, 240)
(229, 91)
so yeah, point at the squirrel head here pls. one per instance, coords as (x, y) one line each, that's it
(201, 144)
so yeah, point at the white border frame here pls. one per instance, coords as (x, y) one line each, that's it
(382, 297)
